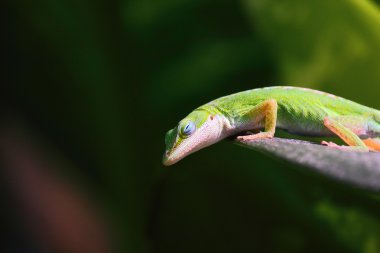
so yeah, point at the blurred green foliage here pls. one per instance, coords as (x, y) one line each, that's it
(104, 80)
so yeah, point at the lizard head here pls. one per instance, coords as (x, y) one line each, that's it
(198, 130)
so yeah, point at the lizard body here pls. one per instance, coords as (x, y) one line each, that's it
(300, 111)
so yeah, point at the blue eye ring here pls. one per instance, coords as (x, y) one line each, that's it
(189, 129)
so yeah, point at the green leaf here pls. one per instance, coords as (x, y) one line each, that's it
(359, 169)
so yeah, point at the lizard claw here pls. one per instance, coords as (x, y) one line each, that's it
(243, 138)
(330, 144)
(334, 145)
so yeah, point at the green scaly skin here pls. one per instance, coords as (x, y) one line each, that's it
(300, 111)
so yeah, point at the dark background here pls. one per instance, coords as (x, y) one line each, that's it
(91, 87)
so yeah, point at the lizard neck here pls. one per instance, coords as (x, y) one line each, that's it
(224, 121)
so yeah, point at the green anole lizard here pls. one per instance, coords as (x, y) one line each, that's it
(300, 111)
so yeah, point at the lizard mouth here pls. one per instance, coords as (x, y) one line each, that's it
(171, 157)
(166, 159)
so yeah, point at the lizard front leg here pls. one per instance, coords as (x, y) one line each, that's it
(267, 112)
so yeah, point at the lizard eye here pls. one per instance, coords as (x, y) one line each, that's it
(189, 129)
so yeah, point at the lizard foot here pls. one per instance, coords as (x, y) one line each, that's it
(262, 135)
(345, 148)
